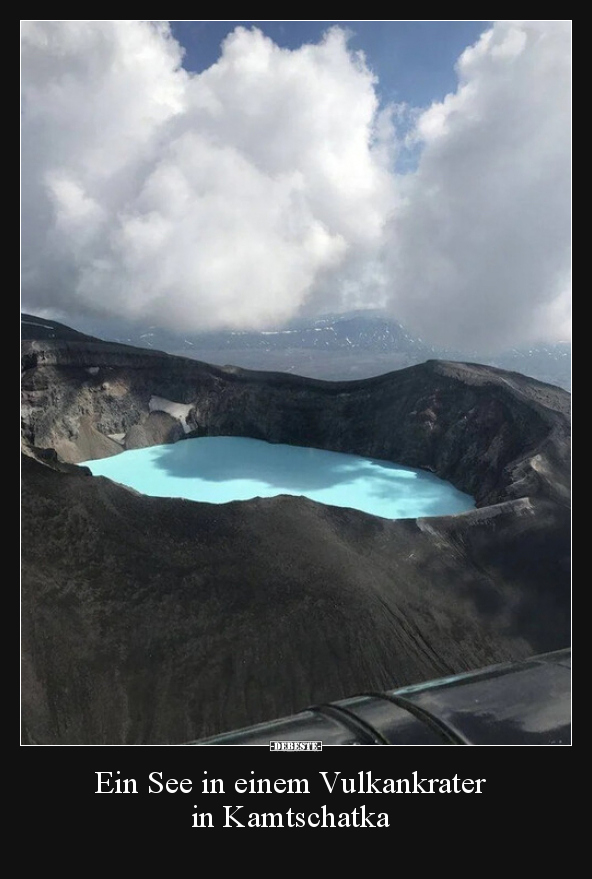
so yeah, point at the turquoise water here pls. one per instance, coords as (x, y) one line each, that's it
(222, 469)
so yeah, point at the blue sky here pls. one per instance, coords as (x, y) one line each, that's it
(208, 175)
(414, 60)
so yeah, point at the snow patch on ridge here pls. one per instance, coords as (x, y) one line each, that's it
(180, 411)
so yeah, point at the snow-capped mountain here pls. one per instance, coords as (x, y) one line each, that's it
(336, 347)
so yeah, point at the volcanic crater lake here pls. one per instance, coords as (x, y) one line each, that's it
(220, 469)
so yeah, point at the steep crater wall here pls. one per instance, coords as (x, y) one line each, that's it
(493, 434)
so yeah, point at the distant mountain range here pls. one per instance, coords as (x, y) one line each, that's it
(335, 347)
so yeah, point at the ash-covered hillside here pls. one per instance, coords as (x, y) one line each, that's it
(149, 620)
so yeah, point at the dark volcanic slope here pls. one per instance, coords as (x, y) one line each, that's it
(33, 327)
(149, 620)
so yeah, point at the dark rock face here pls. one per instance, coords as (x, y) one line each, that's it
(494, 434)
(158, 428)
(148, 620)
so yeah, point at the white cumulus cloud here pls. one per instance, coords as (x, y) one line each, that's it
(479, 248)
(265, 185)
(197, 201)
